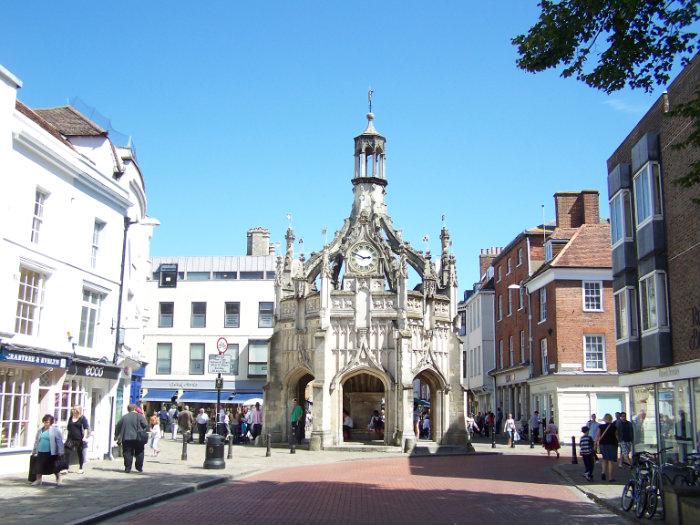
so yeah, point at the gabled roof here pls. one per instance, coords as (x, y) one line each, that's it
(70, 122)
(38, 119)
(588, 248)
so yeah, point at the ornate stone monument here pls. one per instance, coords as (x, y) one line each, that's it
(350, 334)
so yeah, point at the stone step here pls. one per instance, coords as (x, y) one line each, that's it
(364, 447)
(430, 448)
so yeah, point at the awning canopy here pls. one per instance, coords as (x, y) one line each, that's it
(247, 399)
(209, 396)
(157, 394)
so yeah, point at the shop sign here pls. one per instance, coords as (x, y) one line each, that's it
(183, 384)
(95, 370)
(34, 359)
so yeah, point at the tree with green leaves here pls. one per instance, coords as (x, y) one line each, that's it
(609, 44)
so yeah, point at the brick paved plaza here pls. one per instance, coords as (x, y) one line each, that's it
(496, 488)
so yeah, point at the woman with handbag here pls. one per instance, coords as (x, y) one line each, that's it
(48, 450)
(606, 442)
(78, 433)
(551, 441)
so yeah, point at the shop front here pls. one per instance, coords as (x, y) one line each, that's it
(512, 391)
(90, 384)
(198, 394)
(29, 379)
(571, 399)
(666, 410)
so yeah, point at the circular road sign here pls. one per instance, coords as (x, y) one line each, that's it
(221, 345)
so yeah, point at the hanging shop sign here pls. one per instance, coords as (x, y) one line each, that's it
(32, 358)
(94, 370)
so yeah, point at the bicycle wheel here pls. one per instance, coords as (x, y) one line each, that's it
(627, 498)
(652, 502)
(640, 502)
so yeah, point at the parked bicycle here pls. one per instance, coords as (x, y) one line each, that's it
(634, 493)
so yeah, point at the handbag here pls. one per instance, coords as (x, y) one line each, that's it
(60, 464)
(142, 436)
(32, 469)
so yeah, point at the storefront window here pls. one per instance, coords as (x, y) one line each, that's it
(644, 418)
(72, 394)
(14, 408)
(675, 425)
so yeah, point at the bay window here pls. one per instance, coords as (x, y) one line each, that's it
(653, 301)
(621, 217)
(626, 313)
(647, 193)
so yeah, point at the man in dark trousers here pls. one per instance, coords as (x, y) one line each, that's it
(499, 420)
(129, 432)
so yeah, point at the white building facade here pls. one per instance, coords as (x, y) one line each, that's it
(194, 301)
(68, 192)
(477, 331)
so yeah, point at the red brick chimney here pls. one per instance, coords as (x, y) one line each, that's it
(486, 258)
(574, 209)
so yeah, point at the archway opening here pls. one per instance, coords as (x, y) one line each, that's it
(365, 404)
(303, 392)
(425, 401)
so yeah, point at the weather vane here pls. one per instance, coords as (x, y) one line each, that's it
(289, 219)
(370, 94)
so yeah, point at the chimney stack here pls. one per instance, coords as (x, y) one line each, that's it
(574, 209)
(258, 241)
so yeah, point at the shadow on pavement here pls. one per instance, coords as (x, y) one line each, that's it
(493, 466)
(339, 503)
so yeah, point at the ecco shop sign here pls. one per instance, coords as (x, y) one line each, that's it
(97, 371)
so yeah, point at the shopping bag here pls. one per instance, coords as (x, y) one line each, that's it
(516, 436)
(32, 469)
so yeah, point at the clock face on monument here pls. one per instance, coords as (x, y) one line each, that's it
(363, 257)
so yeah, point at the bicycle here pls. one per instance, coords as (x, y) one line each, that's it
(666, 474)
(635, 490)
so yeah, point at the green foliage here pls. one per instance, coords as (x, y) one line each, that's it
(636, 41)
(630, 42)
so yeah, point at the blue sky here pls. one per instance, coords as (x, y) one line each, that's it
(242, 112)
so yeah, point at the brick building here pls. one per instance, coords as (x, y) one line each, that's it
(656, 246)
(512, 266)
(574, 368)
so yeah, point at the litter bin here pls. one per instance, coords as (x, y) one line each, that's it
(214, 456)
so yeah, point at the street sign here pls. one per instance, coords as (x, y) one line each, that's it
(219, 364)
(221, 345)
(219, 383)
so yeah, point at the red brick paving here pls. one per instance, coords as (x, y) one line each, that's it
(491, 489)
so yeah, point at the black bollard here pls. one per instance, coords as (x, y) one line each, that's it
(574, 459)
(229, 455)
(531, 433)
(493, 437)
(293, 447)
(184, 446)
(268, 452)
(512, 439)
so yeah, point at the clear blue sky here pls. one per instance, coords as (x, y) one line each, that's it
(244, 111)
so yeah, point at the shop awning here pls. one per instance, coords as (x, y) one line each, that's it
(205, 396)
(157, 394)
(247, 397)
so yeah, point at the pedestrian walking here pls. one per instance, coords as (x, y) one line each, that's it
(236, 425)
(48, 449)
(173, 414)
(202, 421)
(587, 451)
(139, 408)
(625, 434)
(592, 425)
(416, 420)
(551, 440)
(78, 430)
(163, 420)
(154, 437)
(132, 433)
(499, 419)
(297, 420)
(376, 424)
(509, 429)
(347, 426)
(185, 422)
(256, 420)
(607, 442)
(426, 424)
(535, 426)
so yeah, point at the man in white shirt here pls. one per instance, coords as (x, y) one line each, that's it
(202, 420)
(592, 426)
